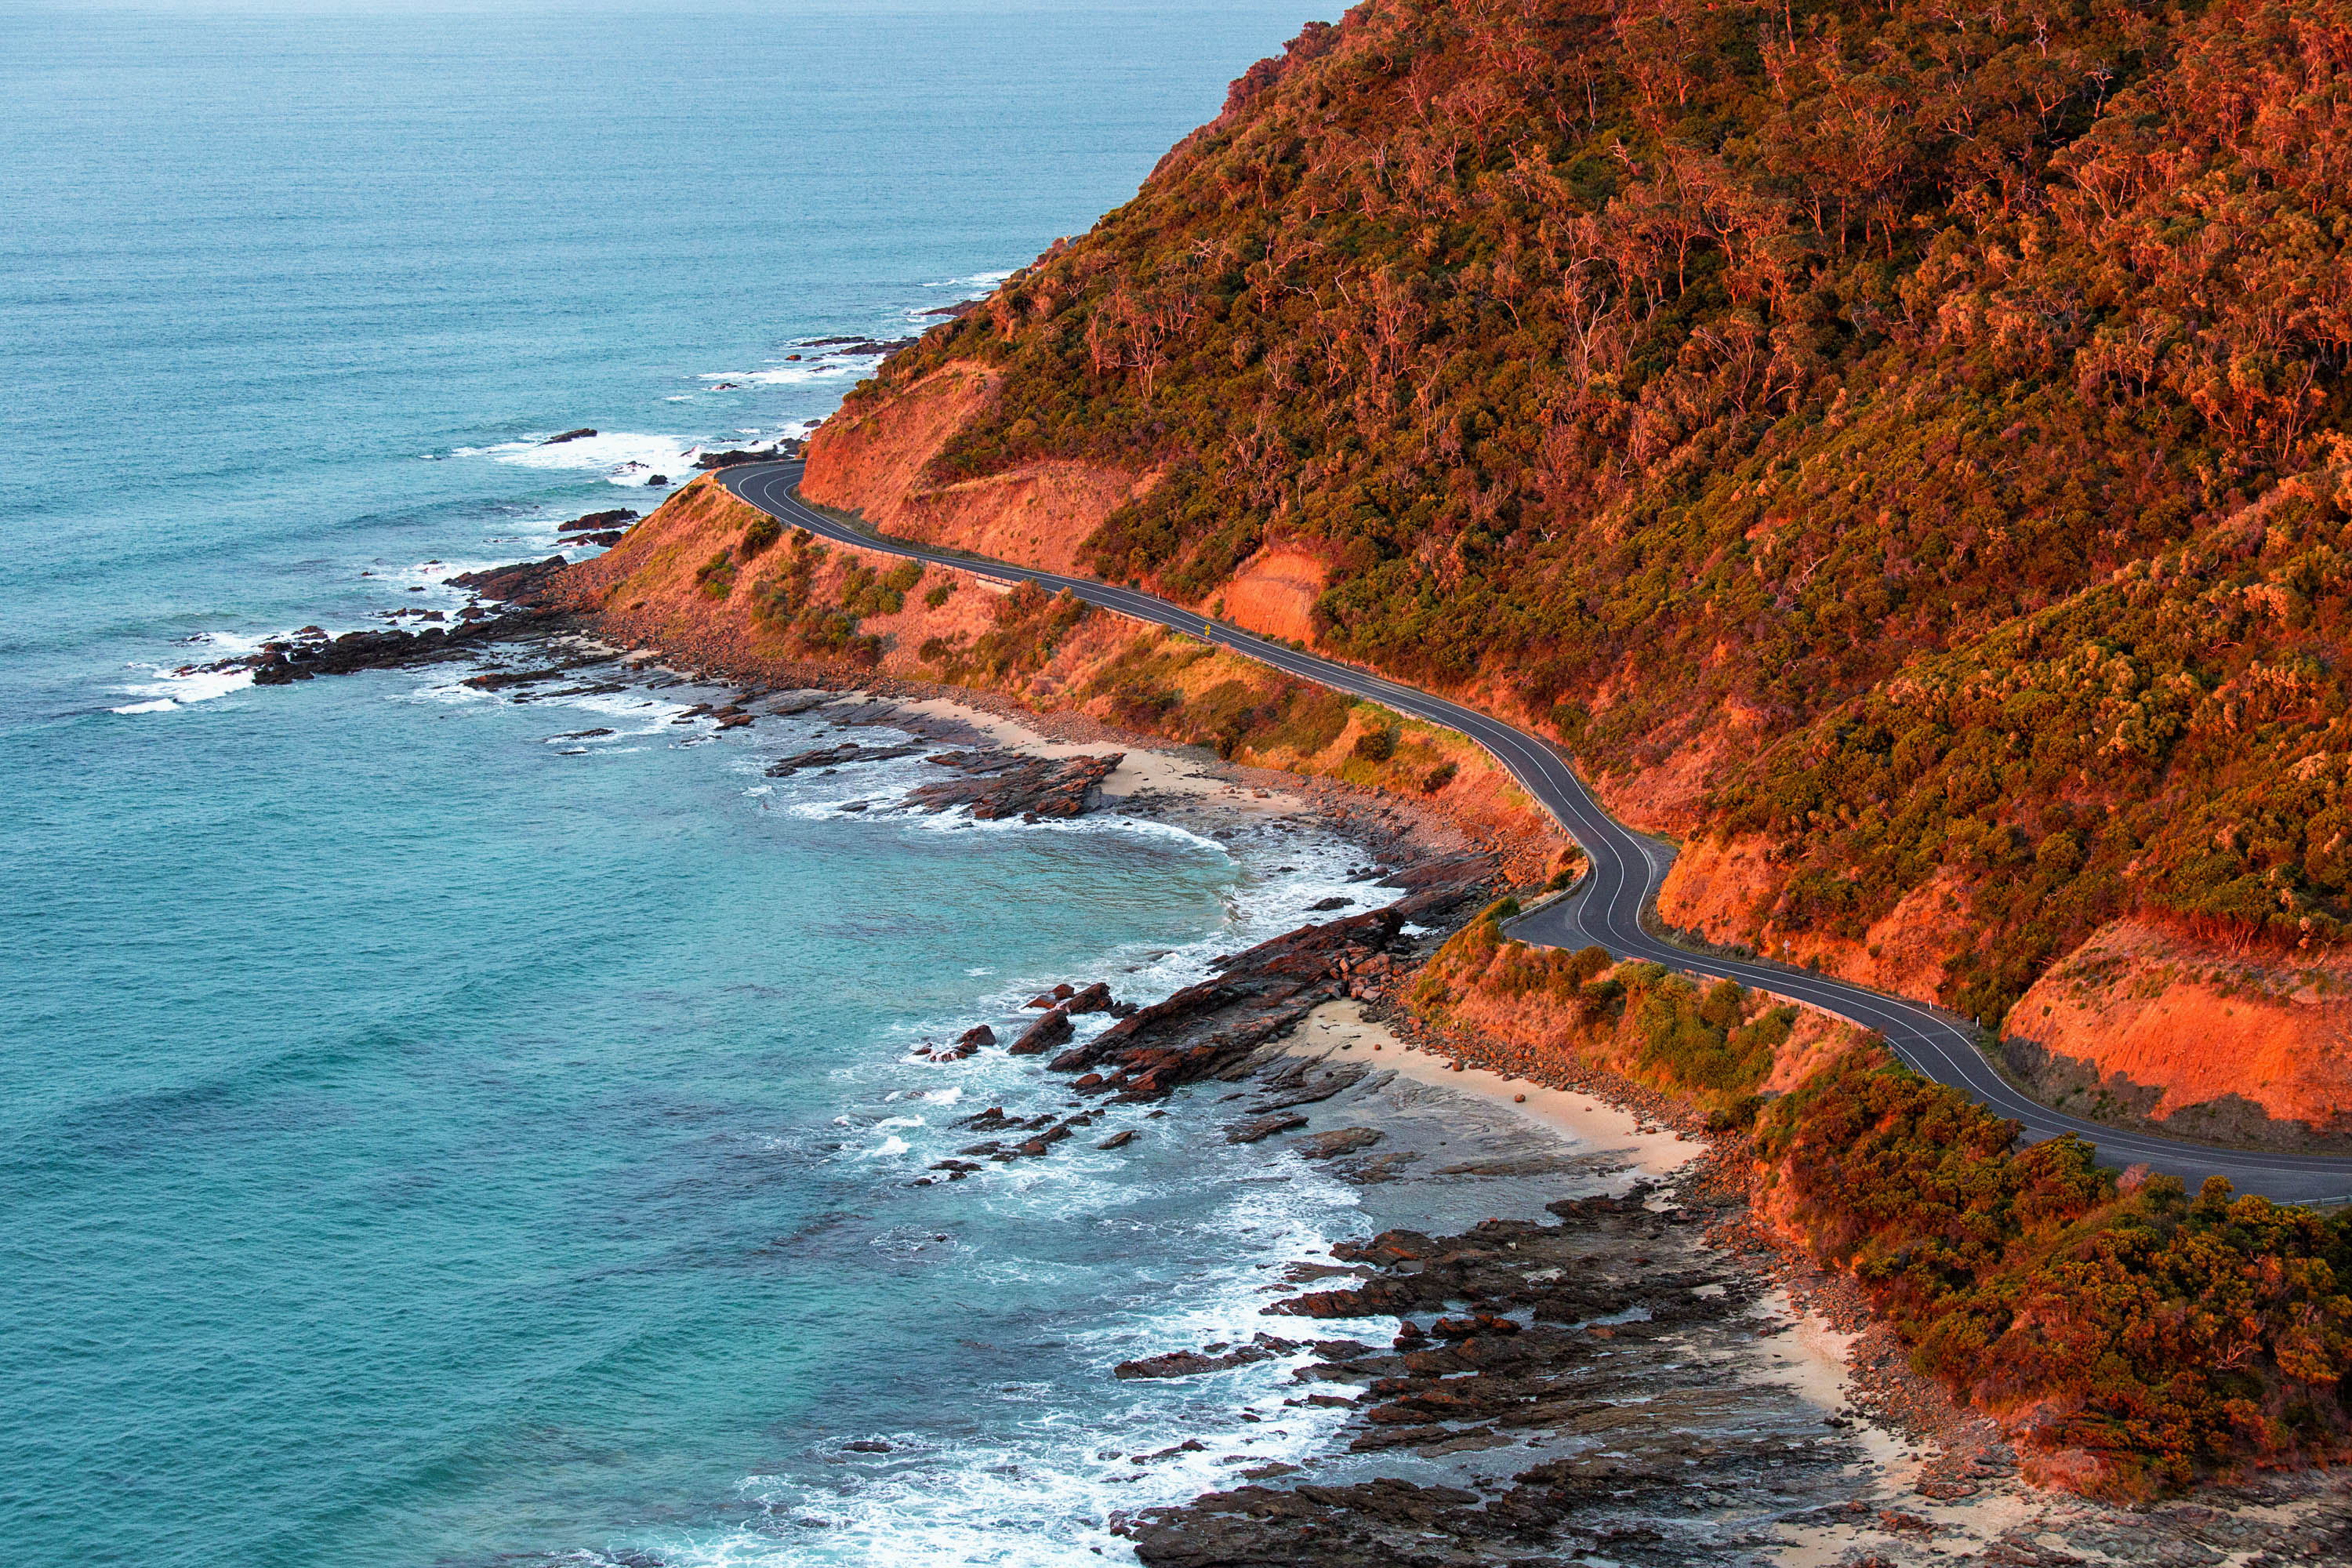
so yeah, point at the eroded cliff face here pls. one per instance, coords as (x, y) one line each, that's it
(2144, 1024)
(713, 582)
(1795, 521)
(2113, 1030)
(876, 464)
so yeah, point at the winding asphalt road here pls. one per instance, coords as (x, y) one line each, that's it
(1626, 871)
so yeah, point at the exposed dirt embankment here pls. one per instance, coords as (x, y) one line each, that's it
(711, 581)
(1274, 592)
(1728, 892)
(1037, 514)
(2144, 1024)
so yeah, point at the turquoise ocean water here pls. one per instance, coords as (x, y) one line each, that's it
(424, 1144)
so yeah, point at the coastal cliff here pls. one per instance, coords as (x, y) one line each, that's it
(710, 580)
(1900, 453)
(2128, 1339)
(1825, 426)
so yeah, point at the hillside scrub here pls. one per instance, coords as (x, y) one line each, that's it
(791, 598)
(1714, 1045)
(2133, 1341)
(1947, 396)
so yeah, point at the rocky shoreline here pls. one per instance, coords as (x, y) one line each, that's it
(1597, 1384)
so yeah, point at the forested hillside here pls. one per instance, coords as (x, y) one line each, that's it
(1928, 414)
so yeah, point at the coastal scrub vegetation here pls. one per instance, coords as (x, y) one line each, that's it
(1945, 401)
(786, 602)
(1713, 1045)
(2135, 1339)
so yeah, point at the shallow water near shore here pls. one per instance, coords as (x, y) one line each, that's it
(429, 1134)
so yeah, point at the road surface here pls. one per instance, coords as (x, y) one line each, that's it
(1626, 871)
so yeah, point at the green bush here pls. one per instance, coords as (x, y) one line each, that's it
(716, 576)
(2167, 1339)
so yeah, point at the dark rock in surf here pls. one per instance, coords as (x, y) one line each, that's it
(1332, 1144)
(596, 521)
(840, 756)
(1259, 1127)
(521, 581)
(1043, 1034)
(1192, 1363)
(998, 785)
(710, 460)
(580, 434)
(1210, 1029)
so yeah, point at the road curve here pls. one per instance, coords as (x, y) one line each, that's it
(1626, 870)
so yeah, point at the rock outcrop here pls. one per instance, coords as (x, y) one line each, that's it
(1213, 1029)
(998, 785)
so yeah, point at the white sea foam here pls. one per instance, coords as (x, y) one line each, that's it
(1059, 1456)
(624, 457)
(173, 689)
(227, 643)
(831, 367)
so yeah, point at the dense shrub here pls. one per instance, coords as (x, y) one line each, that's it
(2154, 1338)
(1029, 626)
(1715, 1045)
(1951, 393)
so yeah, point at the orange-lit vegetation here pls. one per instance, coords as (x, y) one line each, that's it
(1952, 391)
(1713, 1045)
(2134, 1340)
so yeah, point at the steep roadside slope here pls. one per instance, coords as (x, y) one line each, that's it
(1896, 448)
(713, 582)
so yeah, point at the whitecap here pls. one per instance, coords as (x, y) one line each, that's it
(832, 367)
(612, 451)
(176, 688)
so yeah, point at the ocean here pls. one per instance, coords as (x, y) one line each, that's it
(428, 1136)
